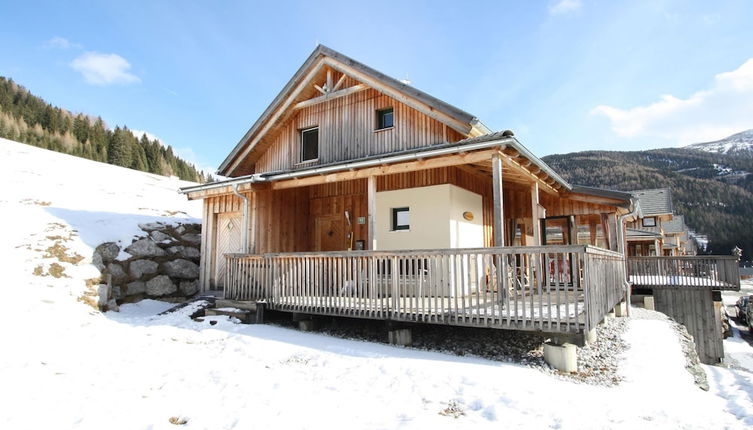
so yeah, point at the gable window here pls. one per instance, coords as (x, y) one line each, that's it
(385, 118)
(310, 144)
(400, 219)
(649, 221)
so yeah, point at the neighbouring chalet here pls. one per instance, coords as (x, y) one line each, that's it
(356, 194)
(658, 230)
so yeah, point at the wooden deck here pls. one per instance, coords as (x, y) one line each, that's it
(715, 272)
(555, 289)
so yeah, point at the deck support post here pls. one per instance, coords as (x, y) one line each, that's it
(648, 303)
(535, 220)
(562, 357)
(499, 213)
(371, 196)
(402, 336)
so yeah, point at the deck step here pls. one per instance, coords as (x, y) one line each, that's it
(227, 303)
(246, 316)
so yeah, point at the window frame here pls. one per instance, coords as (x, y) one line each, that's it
(400, 227)
(643, 221)
(301, 133)
(380, 113)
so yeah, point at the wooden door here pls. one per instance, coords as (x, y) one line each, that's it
(228, 240)
(329, 233)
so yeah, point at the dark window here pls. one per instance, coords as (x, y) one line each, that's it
(649, 222)
(309, 144)
(385, 118)
(400, 218)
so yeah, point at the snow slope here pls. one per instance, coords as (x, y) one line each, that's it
(65, 366)
(740, 142)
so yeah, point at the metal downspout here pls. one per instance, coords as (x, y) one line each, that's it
(634, 209)
(244, 223)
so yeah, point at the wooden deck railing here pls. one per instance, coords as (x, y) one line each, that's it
(718, 272)
(552, 289)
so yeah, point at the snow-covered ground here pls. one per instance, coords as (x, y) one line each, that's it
(66, 366)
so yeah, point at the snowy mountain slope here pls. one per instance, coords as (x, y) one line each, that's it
(740, 143)
(66, 366)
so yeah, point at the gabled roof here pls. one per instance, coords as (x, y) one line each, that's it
(458, 119)
(654, 202)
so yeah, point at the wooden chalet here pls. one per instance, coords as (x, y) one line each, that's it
(356, 194)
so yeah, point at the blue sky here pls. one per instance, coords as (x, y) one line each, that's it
(565, 75)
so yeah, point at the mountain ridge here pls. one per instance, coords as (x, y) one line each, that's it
(713, 188)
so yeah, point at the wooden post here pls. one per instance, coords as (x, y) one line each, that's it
(499, 232)
(535, 214)
(253, 220)
(371, 195)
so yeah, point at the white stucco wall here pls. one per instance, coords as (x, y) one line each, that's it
(436, 218)
(464, 233)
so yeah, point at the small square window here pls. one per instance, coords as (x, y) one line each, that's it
(400, 219)
(385, 118)
(649, 221)
(310, 144)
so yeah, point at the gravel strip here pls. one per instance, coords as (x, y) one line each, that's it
(597, 362)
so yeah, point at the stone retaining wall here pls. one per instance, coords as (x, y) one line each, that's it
(163, 263)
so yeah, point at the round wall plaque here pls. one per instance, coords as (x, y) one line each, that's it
(468, 215)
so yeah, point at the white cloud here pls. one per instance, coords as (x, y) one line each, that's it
(150, 136)
(725, 108)
(104, 69)
(561, 7)
(58, 42)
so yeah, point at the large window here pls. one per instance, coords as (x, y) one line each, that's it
(385, 118)
(400, 219)
(310, 144)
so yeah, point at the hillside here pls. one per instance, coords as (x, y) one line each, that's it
(737, 144)
(27, 118)
(714, 190)
(75, 368)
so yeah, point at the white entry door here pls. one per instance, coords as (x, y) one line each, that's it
(228, 242)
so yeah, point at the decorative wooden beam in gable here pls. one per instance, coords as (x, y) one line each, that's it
(331, 96)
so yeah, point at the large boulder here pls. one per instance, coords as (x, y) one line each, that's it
(97, 262)
(185, 251)
(139, 268)
(181, 268)
(189, 288)
(145, 248)
(192, 238)
(151, 226)
(134, 288)
(116, 271)
(158, 236)
(160, 285)
(107, 251)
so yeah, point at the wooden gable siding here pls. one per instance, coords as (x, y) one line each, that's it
(347, 131)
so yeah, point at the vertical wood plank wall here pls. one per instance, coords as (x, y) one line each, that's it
(347, 130)
(694, 308)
